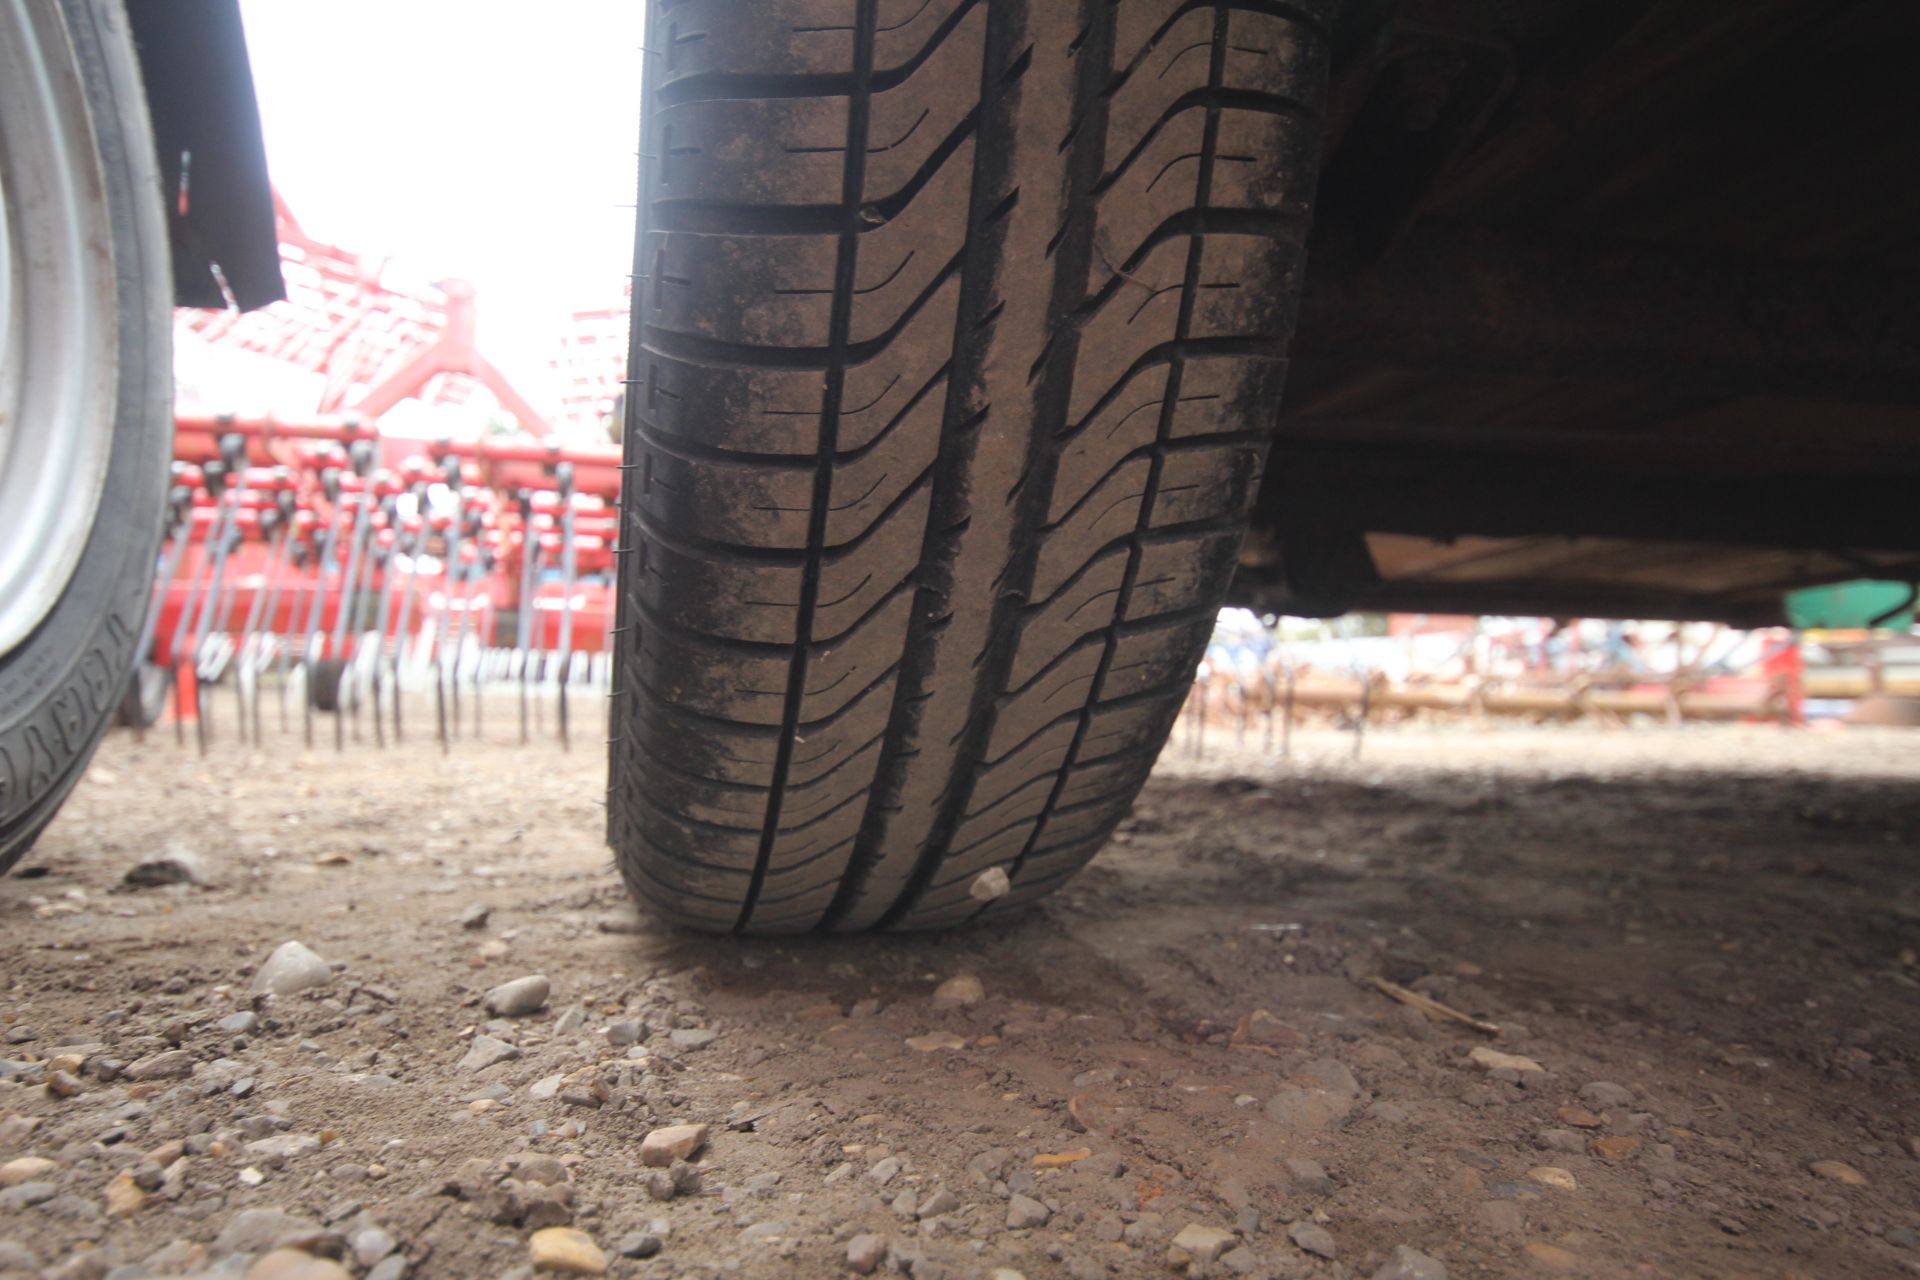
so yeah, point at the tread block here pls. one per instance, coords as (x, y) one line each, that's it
(907, 123)
(1083, 605)
(1107, 511)
(880, 388)
(1206, 483)
(725, 37)
(1182, 574)
(751, 151)
(758, 290)
(1147, 657)
(747, 410)
(1060, 688)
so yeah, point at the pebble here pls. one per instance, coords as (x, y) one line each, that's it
(1197, 1242)
(566, 1250)
(571, 1019)
(1578, 1117)
(1263, 1028)
(934, 1041)
(639, 1244)
(989, 885)
(1025, 1211)
(257, 1230)
(291, 969)
(124, 1196)
(1552, 1257)
(244, 1023)
(518, 998)
(1309, 1175)
(1314, 1239)
(883, 1171)
(1410, 1264)
(176, 864)
(17, 1257)
(25, 1169)
(371, 1245)
(964, 989)
(1553, 1176)
(941, 1201)
(622, 1034)
(1616, 1148)
(692, 1037)
(866, 1252)
(663, 1146)
(475, 916)
(1605, 1093)
(1493, 1060)
(175, 1064)
(1838, 1171)
(485, 1051)
(295, 1264)
(26, 1194)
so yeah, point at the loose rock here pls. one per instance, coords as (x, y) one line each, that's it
(640, 1244)
(295, 1264)
(291, 969)
(566, 1251)
(1025, 1211)
(1313, 1238)
(25, 1169)
(865, 1253)
(935, 1041)
(964, 989)
(1838, 1171)
(1196, 1242)
(674, 1142)
(989, 885)
(485, 1051)
(517, 998)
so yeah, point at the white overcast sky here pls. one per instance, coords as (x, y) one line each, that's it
(490, 139)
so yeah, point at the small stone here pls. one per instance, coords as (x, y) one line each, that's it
(1838, 1171)
(64, 1084)
(176, 864)
(1493, 1060)
(1578, 1117)
(884, 1170)
(1321, 1095)
(1605, 1093)
(475, 916)
(124, 1196)
(543, 1089)
(296, 1264)
(25, 1169)
(1616, 1148)
(485, 1051)
(639, 1244)
(866, 1252)
(1025, 1211)
(964, 989)
(258, 1230)
(1551, 1257)
(1553, 1176)
(26, 1194)
(1198, 1243)
(571, 1019)
(904, 1204)
(517, 998)
(371, 1245)
(941, 1201)
(989, 885)
(663, 1146)
(17, 1257)
(1410, 1264)
(691, 1038)
(1309, 1175)
(243, 1023)
(392, 1267)
(175, 1064)
(1263, 1028)
(567, 1251)
(622, 1034)
(1313, 1238)
(291, 969)
(934, 1041)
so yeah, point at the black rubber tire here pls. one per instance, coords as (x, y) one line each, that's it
(959, 333)
(62, 685)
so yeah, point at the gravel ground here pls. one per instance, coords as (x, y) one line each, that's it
(385, 1014)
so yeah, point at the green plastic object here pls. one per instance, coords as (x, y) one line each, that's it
(1850, 606)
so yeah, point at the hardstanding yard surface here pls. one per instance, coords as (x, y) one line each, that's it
(1697, 945)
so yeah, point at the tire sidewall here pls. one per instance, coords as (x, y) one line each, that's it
(62, 685)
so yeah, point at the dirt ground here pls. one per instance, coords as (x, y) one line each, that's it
(1698, 942)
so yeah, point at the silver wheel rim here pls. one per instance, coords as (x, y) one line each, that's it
(59, 332)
